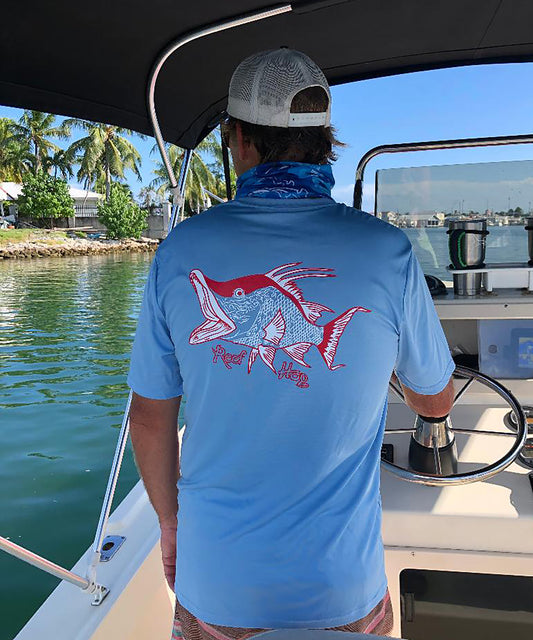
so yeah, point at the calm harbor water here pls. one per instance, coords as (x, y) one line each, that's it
(66, 327)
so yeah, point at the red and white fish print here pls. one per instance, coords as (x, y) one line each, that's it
(268, 312)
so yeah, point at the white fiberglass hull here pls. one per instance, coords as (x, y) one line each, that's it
(139, 605)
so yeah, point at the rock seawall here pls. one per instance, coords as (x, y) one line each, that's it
(74, 247)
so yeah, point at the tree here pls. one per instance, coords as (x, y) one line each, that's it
(122, 217)
(61, 162)
(217, 167)
(200, 176)
(103, 154)
(35, 129)
(148, 198)
(44, 196)
(15, 157)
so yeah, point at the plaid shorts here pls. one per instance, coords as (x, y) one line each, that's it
(189, 627)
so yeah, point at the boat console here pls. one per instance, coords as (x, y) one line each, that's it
(459, 555)
(447, 544)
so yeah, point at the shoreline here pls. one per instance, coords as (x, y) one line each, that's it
(74, 247)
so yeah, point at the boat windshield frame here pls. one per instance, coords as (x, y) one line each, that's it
(428, 145)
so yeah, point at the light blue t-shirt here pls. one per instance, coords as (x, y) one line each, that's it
(281, 323)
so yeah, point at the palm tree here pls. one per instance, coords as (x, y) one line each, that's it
(15, 157)
(217, 167)
(61, 162)
(104, 153)
(148, 198)
(201, 175)
(35, 129)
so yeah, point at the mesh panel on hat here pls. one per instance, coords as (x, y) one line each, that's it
(263, 86)
(240, 86)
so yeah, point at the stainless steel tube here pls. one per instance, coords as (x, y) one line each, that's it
(180, 187)
(428, 146)
(112, 481)
(178, 203)
(201, 33)
(42, 563)
(529, 229)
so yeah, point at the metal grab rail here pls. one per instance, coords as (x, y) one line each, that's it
(431, 145)
(177, 44)
(110, 492)
(54, 569)
(178, 193)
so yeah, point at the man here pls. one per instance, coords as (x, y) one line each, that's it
(280, 316)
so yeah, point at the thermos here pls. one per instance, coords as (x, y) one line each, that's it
(529, 229)
(467, 243)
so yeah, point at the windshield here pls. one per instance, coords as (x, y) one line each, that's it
(423, 200)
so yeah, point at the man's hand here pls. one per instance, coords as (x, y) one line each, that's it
(168, 551)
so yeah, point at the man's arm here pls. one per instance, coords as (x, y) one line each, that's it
(154, 434)
(435, 406)
(424, 364)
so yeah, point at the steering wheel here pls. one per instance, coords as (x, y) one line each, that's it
(484, 473)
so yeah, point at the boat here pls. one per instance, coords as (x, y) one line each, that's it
(458, 544)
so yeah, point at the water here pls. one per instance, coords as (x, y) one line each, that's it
(66, 327)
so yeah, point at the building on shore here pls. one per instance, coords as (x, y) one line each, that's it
(420, 219)
(85, 211)
(85, 202)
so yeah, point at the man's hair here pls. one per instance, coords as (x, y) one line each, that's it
(313, 145)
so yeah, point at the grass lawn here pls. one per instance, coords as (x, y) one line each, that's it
(13, 236)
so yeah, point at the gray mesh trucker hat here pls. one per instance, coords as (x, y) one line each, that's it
(263, 85)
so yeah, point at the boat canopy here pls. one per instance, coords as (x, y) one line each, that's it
(94, 61)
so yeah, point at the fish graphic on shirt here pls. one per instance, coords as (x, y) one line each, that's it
(267, 312)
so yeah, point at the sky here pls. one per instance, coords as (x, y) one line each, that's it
(485, 100)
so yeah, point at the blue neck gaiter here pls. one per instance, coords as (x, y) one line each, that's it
(286, 180)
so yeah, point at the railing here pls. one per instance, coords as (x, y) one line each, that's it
(86, 210)
(430, 145)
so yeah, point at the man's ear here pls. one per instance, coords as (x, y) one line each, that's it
(243, 145)
(244, 152)
(248, 154)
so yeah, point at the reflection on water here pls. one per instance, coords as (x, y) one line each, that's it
(66, 327)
